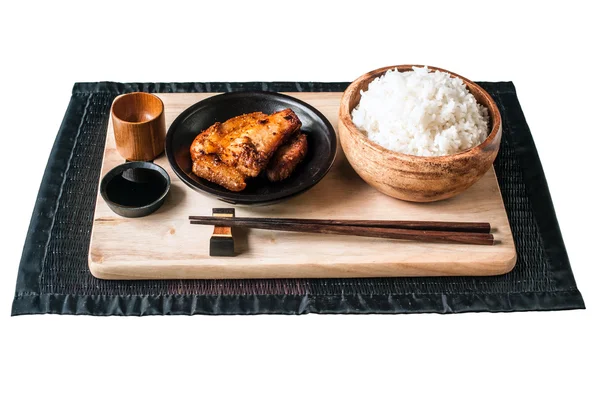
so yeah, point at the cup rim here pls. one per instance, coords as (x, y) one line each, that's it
(142, 93)
(346, 118)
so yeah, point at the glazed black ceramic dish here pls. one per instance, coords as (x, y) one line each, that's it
(321, 136)
(135, 189)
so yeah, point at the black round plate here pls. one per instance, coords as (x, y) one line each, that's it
(322, 144)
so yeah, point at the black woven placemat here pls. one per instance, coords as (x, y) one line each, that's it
(54, 278)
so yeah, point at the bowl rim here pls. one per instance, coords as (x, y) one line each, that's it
(346, 118)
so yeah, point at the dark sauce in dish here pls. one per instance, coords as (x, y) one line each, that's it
(136, 187)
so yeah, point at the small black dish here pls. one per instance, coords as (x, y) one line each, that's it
(322, 145)
(135, 189)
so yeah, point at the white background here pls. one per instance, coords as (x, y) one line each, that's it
(548, 51)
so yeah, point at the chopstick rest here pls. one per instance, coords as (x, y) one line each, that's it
(221, 241)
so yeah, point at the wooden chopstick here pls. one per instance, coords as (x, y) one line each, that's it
(474, 238)
(479, 227)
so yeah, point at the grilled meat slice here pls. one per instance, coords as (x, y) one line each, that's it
(287, 157)
(201, 146)
(212, 169)
(247, 142)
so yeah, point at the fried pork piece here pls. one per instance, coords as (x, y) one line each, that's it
(247, 142)
(212, 169)
(287, 157)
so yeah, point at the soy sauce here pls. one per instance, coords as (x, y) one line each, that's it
(136, 187)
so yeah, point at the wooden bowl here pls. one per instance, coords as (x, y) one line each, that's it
(409, 177)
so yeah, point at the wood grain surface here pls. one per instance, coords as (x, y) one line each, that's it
(164, 245)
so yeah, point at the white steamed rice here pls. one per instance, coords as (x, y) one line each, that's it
(421, 112)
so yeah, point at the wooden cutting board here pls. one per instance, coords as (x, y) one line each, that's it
(164, 245)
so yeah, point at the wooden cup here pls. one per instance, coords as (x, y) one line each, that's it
(139, 126)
